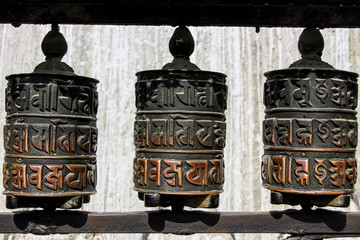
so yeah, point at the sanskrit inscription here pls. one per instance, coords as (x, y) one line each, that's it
(177, 93)
(179, 130)
(51, 97)
(176, 173)
(289, 171)
(50, 138)
(310, 132)
(311, 91)
(49, 177)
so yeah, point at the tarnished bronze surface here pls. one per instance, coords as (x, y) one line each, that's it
(50, 135)
(310, 129)
(180, 131)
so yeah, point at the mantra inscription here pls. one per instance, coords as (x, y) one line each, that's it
(310, 131)
(304, 174)
(322, 133)
(52, 178)
(170, 175)
(50, 136)
(179, 132)
(51, 97)
(310, 88)
(200, 91)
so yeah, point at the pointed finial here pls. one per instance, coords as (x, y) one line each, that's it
(311, 45)
(54, 43)
(181, 46)
(54, 47)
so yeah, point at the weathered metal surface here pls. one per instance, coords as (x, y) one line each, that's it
(180, 131)
(310, 129)
(50, 135)
(297, 223)
(259, 13)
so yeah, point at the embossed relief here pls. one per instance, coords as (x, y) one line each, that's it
(21, 96)
(304, 132)
(176, 173)
(179, 130)
(321, 90)
(49, 176)
(45, 97)
(343, 95)
(50, 138)
(301, 92)
(6, 174)
(310, 92)
(289, 171)
(270, 96)
(51, 97)
(176, 93)
(344, 134)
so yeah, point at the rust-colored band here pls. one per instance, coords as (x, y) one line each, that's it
(179, 193)
(179, 151)
(67, 194)
(49, 157)
(347, 150)
(309, 192)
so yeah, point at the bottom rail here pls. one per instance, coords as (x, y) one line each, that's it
(295, 222)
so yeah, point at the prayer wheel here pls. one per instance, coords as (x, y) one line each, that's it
(310, 130)
(179, 132)
(50, 136)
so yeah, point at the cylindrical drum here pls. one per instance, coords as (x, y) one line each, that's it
(179, 136)
(310, 133)
(50, 139)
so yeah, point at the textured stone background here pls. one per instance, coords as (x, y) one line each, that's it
(113, 54)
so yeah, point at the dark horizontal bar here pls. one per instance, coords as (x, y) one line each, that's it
(319, 222)
(257, 13)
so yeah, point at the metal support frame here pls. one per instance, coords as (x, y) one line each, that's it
(257, 13)
(317, 223)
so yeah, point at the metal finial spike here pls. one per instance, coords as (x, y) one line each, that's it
(54, 43)
(55, 27)
(311, 44)
(182, 43)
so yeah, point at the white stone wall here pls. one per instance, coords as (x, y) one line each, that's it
(113, 54)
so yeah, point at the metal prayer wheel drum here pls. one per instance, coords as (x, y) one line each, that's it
(179, 131)
(50, 135)
(310, 130)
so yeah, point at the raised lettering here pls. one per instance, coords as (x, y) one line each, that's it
(174, 172)
(278, 169)
(198, 175)
(155, 172)
(338, 178)
(141, 171)
(19, 176)
(76, 178)
(320, 171)
(35, 176)
(54, 178)
(302, 171)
